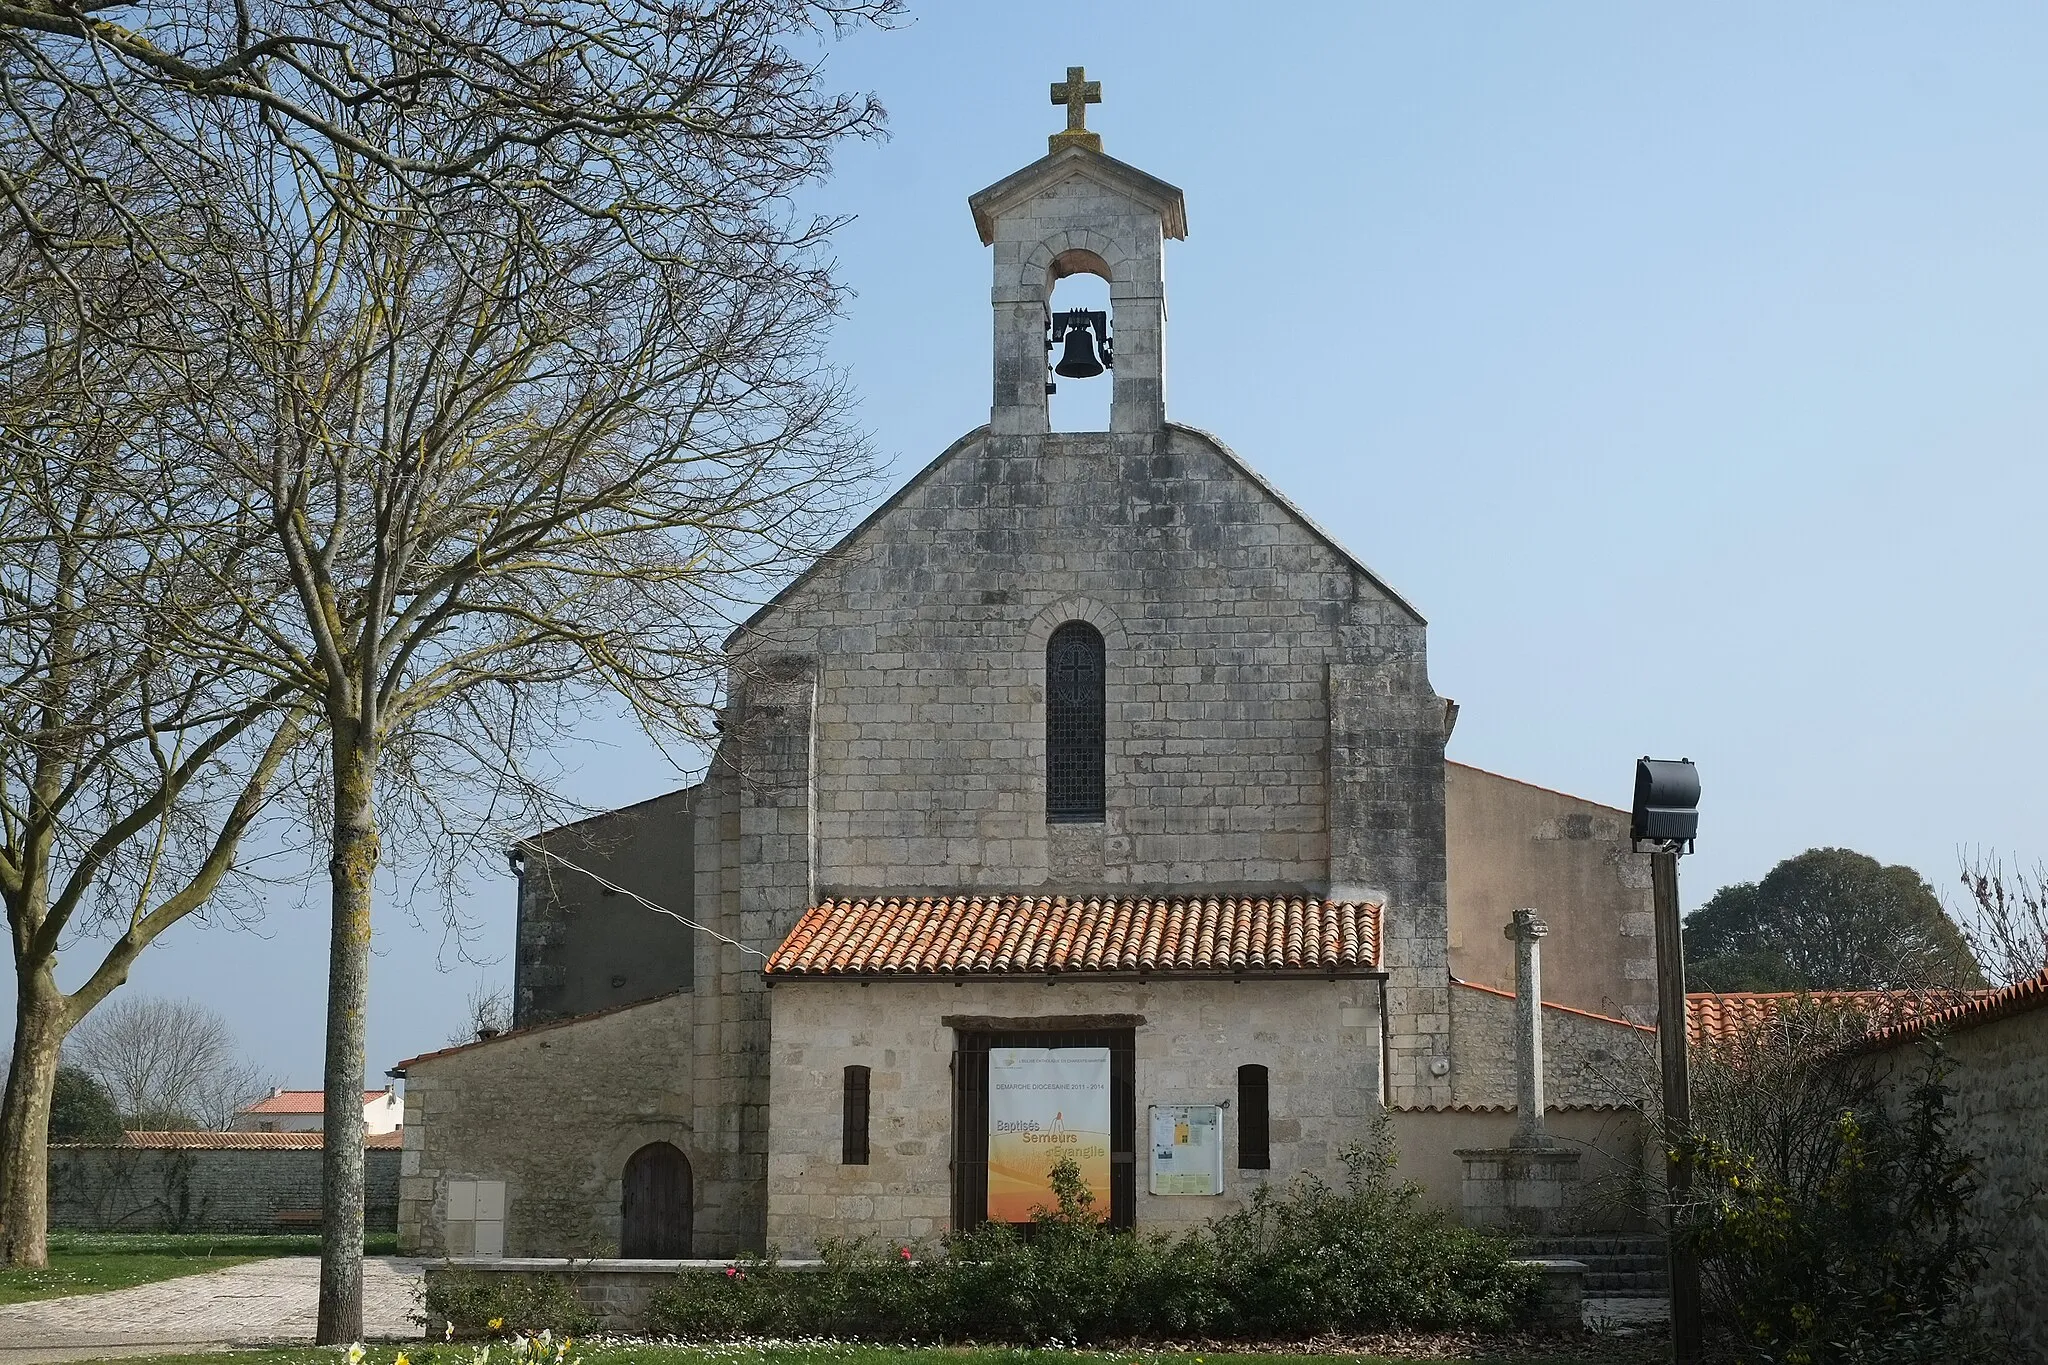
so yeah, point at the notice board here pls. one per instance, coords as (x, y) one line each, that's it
(1187, 1149)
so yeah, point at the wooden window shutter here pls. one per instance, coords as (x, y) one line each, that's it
(1254, 1145)
(854, 1136)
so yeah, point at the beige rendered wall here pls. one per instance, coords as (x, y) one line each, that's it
(1612, 1147)
(2000, 1074)
(555, 1113)
(1509, 845)
(1319, 1040)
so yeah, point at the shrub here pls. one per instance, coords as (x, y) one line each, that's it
(1832, 1227)
(1296, 1262)
(478, 1305)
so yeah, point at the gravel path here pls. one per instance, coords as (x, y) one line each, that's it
(262, 1303)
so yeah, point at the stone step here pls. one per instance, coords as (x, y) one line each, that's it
(1624, 1284)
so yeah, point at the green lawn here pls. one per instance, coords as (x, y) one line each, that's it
(86, 1263)
(830, 1353)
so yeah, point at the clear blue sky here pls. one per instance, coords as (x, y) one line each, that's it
(1688, 371)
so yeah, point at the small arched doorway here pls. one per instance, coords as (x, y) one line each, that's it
(654, 1212)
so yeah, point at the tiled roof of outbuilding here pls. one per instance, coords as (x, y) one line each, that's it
(1721, 1016)
(1982, 1008)
(1047, 935)
(218, 1142)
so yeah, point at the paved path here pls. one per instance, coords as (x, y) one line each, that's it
(262, 1303)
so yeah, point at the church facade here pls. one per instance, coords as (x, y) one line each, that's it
(1087, 773)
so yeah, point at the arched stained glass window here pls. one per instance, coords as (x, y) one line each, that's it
(1074, 729)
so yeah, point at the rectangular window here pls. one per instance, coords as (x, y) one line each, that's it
(1254, 1147)
(853, 1147)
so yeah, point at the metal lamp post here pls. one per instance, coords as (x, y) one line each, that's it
(1666, 819)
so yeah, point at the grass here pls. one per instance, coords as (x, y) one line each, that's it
(837, 1353)
(89, 1262)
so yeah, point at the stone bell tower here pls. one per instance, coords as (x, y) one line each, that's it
(1076, 211)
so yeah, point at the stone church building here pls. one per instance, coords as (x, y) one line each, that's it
(1085, 748)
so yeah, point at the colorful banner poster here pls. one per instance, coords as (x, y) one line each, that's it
(1045, 1103)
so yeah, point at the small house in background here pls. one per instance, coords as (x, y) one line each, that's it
(299, 1111)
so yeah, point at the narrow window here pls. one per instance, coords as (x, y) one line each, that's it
(1074, 729)
(853, 1145)
(1254, 1152)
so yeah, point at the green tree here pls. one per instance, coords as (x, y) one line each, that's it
(81, 1110)
(1828, 919)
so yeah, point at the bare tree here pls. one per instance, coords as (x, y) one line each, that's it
(490, 1014)
(502, 343)
(504, 463)
(2005, 918)
(168, 1064)
(129, 770)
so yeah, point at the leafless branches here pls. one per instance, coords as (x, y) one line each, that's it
(2005, 919)
(168, 1064)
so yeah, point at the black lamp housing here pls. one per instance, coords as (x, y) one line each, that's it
(1667, 802)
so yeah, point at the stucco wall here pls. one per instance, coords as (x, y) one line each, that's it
(2000, 1074)
(1318, 1039)
(1611, 1143)
(127, 1189)
(554, 1114)
(1510, 844)
(583, 948)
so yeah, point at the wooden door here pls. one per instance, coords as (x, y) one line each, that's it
(654, 1214)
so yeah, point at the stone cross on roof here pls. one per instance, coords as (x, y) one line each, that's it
(1077, 93)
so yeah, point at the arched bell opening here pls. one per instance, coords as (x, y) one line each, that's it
(1080, 335)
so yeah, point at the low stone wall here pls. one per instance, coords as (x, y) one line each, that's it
(113, 1188)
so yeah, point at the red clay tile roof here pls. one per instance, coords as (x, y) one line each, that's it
(1982, 1008)
(1721, 1016)
(299, 1102)
(237, 1141)
(1044, 935)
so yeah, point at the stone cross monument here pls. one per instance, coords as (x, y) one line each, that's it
(1525, 931)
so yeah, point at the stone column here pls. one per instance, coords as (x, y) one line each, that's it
(1525, 931)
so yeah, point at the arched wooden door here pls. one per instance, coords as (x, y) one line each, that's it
(654, 1215)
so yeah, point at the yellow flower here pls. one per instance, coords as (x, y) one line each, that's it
(400, 1359)
(495, 1323)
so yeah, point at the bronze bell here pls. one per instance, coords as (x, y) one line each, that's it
(1079, 361)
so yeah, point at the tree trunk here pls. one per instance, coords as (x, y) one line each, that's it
(353, 870)
(25, 1120)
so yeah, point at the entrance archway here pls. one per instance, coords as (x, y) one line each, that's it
(654, 1213)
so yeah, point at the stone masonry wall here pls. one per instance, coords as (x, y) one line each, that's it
(1222, 614)
(583, 948)
(2000, 1074)
(1319, 1039)
(555, 1113)
(1586, 1061)
(240, 1190)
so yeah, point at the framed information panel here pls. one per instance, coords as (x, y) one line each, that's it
(1187, 1149)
